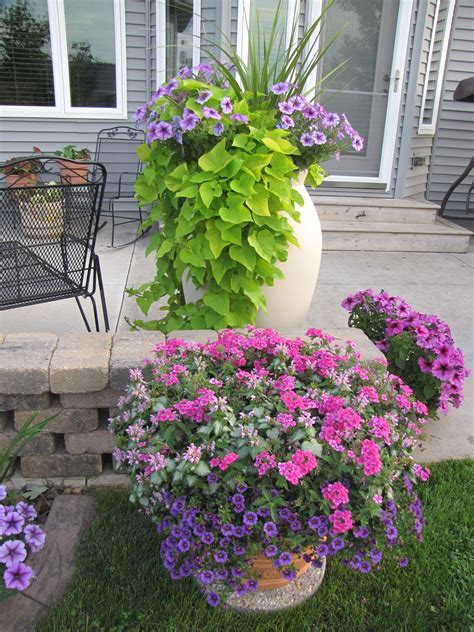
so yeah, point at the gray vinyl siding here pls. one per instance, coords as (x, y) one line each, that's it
(454, 141)
(416, 177)
(234, 15)
(153, 46)
(18, 135)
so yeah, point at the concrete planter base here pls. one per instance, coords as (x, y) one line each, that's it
(280, 598)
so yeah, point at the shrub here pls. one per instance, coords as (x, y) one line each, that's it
(257, 444)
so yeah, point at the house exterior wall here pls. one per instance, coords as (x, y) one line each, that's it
(18, 135)
(454, 140)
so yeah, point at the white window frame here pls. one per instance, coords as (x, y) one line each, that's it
(429, 129)
(60, 62)
(162, 43)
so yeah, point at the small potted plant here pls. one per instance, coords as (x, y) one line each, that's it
(42, 214)
(21, 171)
(257, 453)
(71, 171)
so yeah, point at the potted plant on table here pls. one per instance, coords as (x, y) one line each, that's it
(72, 172)
(42, 214)
(226, 161)
(255, 452)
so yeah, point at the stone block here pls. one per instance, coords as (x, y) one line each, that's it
(98, 399)
(191, 335)
(18, 481)
(44, 443)
(3, 421)
(129, 349)
(367, 349)
(25, 402)
(80, 363)
(61, 465)
(68, 420)
(24, 363)
(109, 478)
(97, 442)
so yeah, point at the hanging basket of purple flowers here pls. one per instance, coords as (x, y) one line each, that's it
(255, 444)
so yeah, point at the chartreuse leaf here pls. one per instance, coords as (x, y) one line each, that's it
(263, 243)
(206, 191)
(214, 238)
(252, 289)
(220, 267)
(245, 255)
(216, 159)
(145, 193)
(165, 247)
(244, 185)
(218, 301)
(231, 234)
(280, 145)
(259, 202)
(175, 179)
(143, 152)
(237, 214)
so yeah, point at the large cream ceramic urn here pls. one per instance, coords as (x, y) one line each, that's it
(288, 300)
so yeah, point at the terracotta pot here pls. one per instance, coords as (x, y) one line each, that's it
(21, 179)
(270, 578)
(73, 172)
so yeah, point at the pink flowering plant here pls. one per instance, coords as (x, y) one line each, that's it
(257, 444)
(19, 536)
(418, 347)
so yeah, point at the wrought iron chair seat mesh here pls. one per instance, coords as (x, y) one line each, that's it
(47, 243)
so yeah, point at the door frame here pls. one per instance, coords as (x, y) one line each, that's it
(398, 69)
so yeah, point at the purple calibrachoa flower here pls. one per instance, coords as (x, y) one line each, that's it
(221, 557)
(250, 518)
(18, 576)
(213, 599)
(12, 552)
(206, 577)
(271, 550)
(284, 559)
(270, 529)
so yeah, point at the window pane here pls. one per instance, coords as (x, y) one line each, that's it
(26, 69)
(262, 18)
(90, 32)
(179, 35)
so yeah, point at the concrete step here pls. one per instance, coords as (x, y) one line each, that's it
(363, 210)
(442, 236)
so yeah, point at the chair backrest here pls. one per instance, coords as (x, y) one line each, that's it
(49, 215)
(116, 148)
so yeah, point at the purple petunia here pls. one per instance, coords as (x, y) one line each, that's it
(218, 129)
(12, 552)
(35, 537)
(271, 550)
(226, 105)
(241, 488)
(238, 549)
(322, 550)
(281, 87)
(286, 108)
(357, 143)
(306, 139)
(310, 112)
(240, 118)
(227, 529)
(159, 131)
(27, 511)
(319, 138)
(287, 121)
(206, 577)
(222, 574)
(17, 576)
(220, 557)
(211, 113)
(330, 119)
(365, 567)
(189, 121)
(3, 492)
(212, 478)
(12, 524)
(183, 546)
(207, 538)
(203, 96)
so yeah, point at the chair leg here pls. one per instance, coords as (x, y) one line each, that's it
(112, 214)
(84, 318)
(100, 283)
(96, 315)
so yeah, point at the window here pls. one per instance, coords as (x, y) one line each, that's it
(62, 58)
(435, 67)
(178, 31)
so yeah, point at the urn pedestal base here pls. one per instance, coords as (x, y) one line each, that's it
(282, 598)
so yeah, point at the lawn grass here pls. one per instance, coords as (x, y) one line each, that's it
(120, 585)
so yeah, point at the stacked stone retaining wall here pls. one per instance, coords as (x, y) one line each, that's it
(81, 376)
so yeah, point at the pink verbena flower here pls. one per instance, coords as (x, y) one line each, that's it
(264, 461)
(337, 494)
(286, 420)
(370, 457)
(341, 521)
(423, 473)
(305, 460)
(290, 472)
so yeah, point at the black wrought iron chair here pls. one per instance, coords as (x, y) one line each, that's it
(48, 230)
(116, 147)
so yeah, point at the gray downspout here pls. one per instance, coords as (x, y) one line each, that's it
(409, 112)
(147, 49)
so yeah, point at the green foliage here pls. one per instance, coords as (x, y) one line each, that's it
(224, 225)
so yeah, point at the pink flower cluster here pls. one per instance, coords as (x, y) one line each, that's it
(341, 520)
(264, 461)
(370, 457)
(340, 425)
(336, 493)
(302, 462)
(422, 473)
(224, 463)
